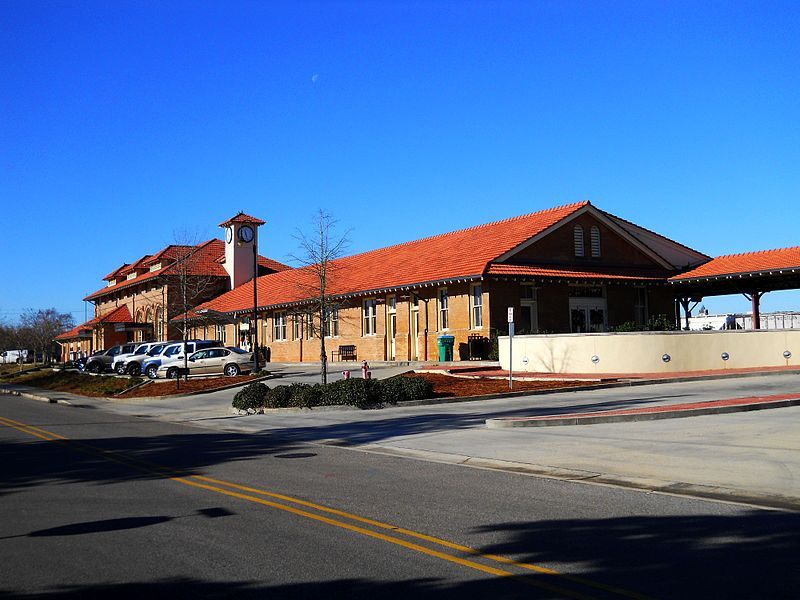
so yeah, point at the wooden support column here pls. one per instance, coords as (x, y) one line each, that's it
(755, 300)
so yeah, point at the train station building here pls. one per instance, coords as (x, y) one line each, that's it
(569, 269)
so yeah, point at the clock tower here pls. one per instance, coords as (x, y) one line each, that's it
(241, 247)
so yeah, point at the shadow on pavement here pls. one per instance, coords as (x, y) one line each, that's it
(747, 556)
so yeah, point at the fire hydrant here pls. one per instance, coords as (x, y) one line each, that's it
(364, 369)
(346, 374)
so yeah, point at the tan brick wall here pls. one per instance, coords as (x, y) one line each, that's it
(374, 347)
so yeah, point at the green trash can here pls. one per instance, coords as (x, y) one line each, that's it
(446, 347)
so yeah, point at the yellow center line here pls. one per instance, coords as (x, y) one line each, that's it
(186, 479)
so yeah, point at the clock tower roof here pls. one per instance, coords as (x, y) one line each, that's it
(241, 217)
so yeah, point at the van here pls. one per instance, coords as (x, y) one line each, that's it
(14, 356)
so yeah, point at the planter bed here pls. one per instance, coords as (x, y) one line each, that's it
(168, 387)
(447, 386)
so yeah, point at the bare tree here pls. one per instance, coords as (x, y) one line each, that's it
(188, 284)
(318, 253)
(43, 326)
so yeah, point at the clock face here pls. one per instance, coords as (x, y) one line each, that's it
(229, 234)
(246, 233)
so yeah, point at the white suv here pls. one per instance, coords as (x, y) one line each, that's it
(120, 364)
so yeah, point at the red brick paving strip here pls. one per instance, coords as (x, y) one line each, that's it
(755, 400)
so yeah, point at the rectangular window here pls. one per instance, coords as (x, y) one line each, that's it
(444, 320)
(310, 332)
(219, 333)
(279, 326)
(476, 306)
(370, 317)
(296, 328)
(640, 307)
(529, 310)
(332, 323)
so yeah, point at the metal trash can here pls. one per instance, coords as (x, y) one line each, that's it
(445, 343)
(475, 346)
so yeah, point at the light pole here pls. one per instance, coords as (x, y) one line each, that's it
(254, 324)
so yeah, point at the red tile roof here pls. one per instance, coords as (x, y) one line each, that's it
(561, 272)
(121, 314)
(115, 272)
(745, 263)
(240, 217)
(74, 333)
(207, 259)
(465, 253)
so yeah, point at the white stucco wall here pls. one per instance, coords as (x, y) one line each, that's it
(642, 352)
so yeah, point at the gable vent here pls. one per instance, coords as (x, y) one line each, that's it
(578, 236)
(595, 235)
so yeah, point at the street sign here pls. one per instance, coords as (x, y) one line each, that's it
(510, 346)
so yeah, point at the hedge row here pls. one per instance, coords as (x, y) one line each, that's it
(353, 392)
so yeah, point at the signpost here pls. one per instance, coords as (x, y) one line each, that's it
(510, 345)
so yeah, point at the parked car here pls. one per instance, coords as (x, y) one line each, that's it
(135, 364)
(101, 361)
(175, 351)
(123, 362)
(228, 361)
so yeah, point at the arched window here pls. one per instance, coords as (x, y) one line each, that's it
(578, 236)
(148, 318)
(159, 325)
(139, 332)
(595, 235)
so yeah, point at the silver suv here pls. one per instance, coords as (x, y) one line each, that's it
(100, 362)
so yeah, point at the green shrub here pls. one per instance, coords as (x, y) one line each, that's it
(402, 389)
(661, 323)
(393, 390)
(251, 396)
(355, 392)
(494, 346)
(278, 397)
(628, 326)
(304, 395)
(417, 388)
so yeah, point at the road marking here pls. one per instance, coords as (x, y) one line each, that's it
(203, 482)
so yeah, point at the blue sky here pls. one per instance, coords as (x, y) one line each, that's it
(123, 122)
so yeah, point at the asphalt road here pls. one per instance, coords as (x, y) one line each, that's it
(96, 504)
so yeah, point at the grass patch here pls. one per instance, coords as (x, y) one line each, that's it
(72, 382)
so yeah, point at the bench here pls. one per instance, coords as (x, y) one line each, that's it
(344, 353)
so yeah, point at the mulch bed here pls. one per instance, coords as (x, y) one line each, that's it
(74, 383)
(169, 388)
(446, 386)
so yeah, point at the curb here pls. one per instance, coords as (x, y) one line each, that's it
(548, 421)
(30, 396)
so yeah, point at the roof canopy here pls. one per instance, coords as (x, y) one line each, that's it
(763, 271)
